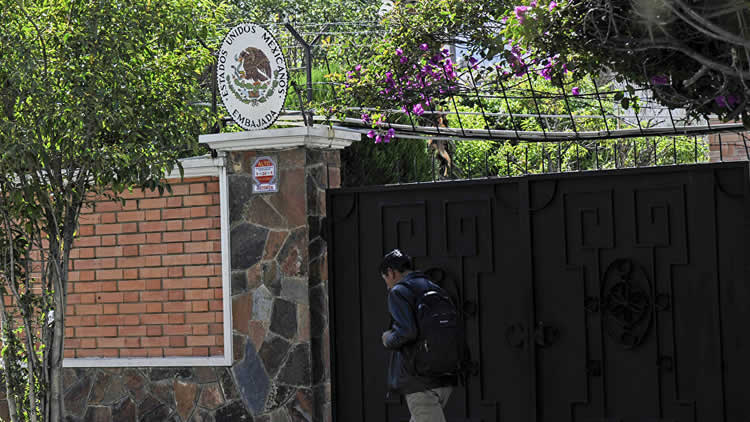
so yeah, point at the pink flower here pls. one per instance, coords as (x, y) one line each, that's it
(521, 13)
(399, 52)
(365, 118)
(546, 73)
(552, 5)
(358, 67)
(575, 91)
(389, 135)
(424, 47)
(659, 80)
(371, 134)
(418, 109)
(379, 139)
(533, 3)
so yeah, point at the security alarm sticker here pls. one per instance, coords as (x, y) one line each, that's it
(265, 175)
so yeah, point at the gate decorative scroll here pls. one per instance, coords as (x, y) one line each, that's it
(627, 307)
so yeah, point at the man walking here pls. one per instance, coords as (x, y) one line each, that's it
(426, 396)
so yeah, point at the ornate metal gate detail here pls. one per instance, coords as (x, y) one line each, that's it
(591, 297)
(627, 303)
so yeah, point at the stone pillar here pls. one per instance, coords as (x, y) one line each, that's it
(279, 270)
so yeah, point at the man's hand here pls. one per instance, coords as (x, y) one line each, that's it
(385, 335)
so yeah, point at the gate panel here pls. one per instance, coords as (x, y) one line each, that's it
(588, 297)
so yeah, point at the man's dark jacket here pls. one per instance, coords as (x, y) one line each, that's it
(403, 335)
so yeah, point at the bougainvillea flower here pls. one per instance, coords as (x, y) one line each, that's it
(418, 109)
(399, 52)
(552, 5)
(371, 134)
(365, 118)
(424, 47)
(533, 3)
(659, 80)
(379, 139)
(358, 67)
(575, 91)
(521, 13)
(390, 134)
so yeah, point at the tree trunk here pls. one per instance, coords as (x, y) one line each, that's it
(55, 369)
(12, 406)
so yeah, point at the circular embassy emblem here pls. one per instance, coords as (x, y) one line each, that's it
(252, 76)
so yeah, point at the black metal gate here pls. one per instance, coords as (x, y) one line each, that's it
(603, 296)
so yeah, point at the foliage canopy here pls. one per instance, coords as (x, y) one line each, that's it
(95, 96)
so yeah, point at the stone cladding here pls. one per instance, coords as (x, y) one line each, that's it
(279, 277)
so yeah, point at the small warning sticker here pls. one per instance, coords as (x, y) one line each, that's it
(265, 175)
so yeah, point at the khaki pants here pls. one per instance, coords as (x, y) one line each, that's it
(427, 406)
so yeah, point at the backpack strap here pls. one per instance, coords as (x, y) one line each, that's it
(438, 276)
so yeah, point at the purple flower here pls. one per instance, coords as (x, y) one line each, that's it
(659, 80)
(504, 19)
(389, 135)
(403, 60)
(365, 118)
(399, 52)
(349, 75)
(552, 5)
(533, 3)
(473, 62)
(521, 13)
(721, 101)
(371, 134)
(379, 139)
(358, 67)
(575, 91)
(732, 100)
(546, 73)
(424, 47)
(418, 110)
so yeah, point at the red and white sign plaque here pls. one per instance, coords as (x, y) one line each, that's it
(265, 175)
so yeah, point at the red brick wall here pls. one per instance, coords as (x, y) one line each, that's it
(145, 276)
(732, 147)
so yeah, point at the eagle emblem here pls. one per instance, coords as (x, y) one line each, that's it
(252, 79)
(255, 64)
